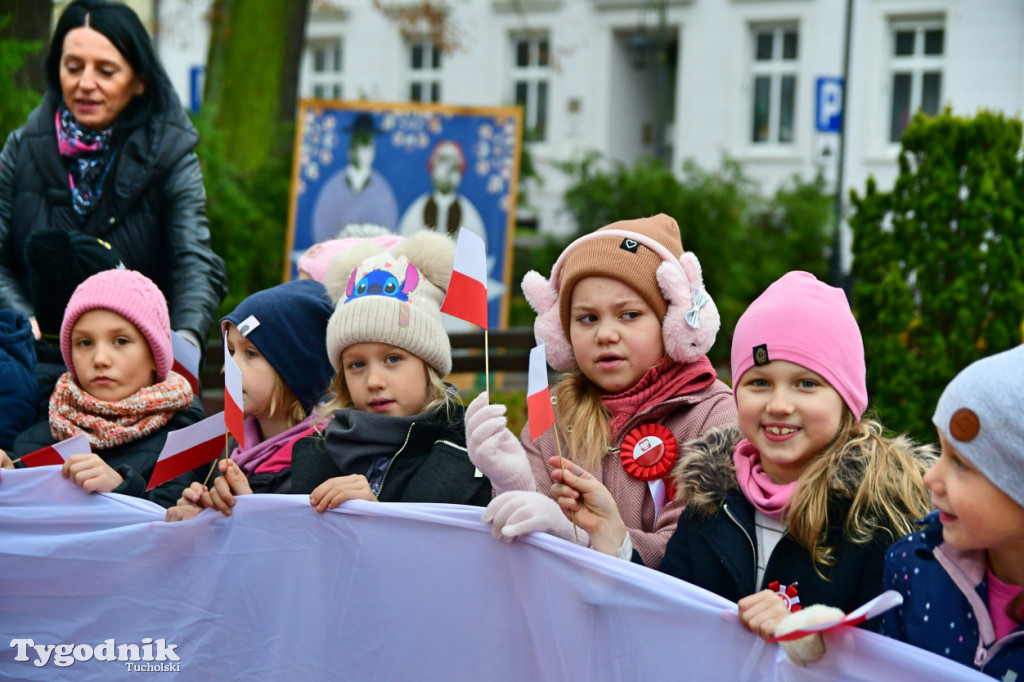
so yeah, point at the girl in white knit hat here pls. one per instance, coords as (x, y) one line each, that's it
(396, 432)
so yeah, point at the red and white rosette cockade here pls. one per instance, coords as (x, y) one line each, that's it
(788, 593)
(648, 453)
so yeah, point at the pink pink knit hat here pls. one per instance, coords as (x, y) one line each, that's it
(318, 257)
(804, 321)
(131, 295)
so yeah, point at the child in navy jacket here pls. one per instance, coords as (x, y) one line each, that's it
(962, 575)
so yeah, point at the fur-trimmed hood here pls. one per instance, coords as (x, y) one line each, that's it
(705, 473)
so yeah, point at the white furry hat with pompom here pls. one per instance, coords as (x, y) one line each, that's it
(392, 297)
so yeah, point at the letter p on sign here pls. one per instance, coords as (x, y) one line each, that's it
(829, 108)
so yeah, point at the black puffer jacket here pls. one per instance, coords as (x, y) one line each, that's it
(152, 211)
(134, 461)
(431, 466)
(714, 545)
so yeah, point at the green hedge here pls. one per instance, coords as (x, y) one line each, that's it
(16, 102)
(248, 215)
(939, 261)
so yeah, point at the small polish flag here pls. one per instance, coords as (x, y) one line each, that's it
(234, 416)
(186, 360)
(887, 600)
(187, 448)
(538, 398)
(58, 452)
(467, 291)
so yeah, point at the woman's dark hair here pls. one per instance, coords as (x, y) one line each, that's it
(122, 27)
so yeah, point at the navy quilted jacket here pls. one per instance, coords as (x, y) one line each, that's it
(18, 387)
(945, 604)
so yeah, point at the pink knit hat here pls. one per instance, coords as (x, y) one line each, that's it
(804, 321)
(131, 295)
(318, 257)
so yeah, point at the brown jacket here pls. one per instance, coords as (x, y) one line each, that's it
(686, 416)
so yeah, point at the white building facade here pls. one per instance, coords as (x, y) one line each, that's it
(676, 79)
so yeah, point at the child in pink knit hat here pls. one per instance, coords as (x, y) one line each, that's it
(797, 504)
(119, 389)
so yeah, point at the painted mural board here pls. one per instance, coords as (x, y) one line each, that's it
(408, 167)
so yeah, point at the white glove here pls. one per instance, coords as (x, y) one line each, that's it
(495, 450)
(810, 648)
(519, 512)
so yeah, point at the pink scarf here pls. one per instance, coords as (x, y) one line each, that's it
(665, 380)
(759, 489)
(253, 456)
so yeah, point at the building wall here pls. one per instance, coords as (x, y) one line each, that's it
(598, 99)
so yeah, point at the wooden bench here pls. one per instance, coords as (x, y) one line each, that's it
(509, 351)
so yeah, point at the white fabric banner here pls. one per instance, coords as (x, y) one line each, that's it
(368, 591)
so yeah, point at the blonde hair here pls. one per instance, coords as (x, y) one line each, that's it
(584, 418)
(437, 394)
(282, 397)
(880, 474)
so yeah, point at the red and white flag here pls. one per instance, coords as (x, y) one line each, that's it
(540, 414)
(58, 452)
(467, 291)
(887, 600)
(234, 416)
(187, 448)
(186, 360)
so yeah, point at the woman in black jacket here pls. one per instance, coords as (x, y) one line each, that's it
(110, 153)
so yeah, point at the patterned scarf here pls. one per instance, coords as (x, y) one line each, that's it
(109, 424)
(87, 155)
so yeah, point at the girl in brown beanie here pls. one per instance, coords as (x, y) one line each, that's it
(626, 308)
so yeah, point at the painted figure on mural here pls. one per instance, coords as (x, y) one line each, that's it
(357, 193)
(444, 209)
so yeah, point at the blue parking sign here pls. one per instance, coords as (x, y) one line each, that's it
(828, 117)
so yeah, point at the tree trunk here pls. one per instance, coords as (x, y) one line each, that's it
(30, 21)
(252, 75)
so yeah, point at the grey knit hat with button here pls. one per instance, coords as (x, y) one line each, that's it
(981, 414)
(392, 298)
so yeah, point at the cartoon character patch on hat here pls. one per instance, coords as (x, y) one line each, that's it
(393, 298)
(383, 283)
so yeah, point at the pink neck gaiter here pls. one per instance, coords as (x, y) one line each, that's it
(757, 486)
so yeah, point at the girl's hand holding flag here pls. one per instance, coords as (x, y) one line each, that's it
(495, 450)
(221, 496)
(591, 505)
(518, 511)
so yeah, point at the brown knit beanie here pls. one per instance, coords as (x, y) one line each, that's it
(622, 259)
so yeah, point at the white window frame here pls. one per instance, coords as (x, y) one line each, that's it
(916, 65)
(775, 70)
(325, 80)
(535, 79)
(427, 77)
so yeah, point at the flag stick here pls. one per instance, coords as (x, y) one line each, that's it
(214, 462)
(558, 444)
(15, 461)
(487, 366)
